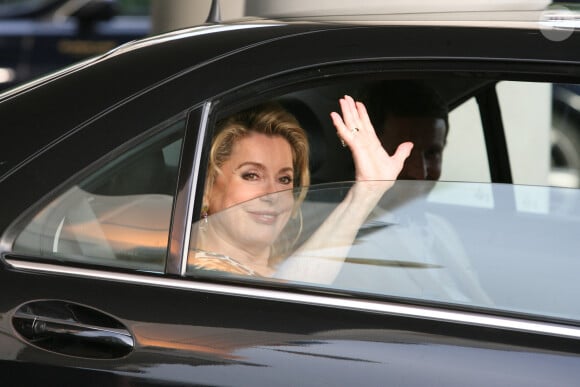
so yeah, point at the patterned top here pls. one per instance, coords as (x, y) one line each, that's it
(206, 260)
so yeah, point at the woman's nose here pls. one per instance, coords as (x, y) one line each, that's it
(270, 190)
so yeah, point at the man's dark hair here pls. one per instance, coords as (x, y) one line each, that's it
(403, 98)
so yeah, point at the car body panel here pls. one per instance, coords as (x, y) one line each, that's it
(225, 337)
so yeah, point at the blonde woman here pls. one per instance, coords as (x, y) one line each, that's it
(261, 154)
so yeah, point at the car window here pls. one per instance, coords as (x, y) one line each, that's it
(420, 242)
(444, 240)
(118, 215)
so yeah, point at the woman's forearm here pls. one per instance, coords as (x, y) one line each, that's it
(321, 257)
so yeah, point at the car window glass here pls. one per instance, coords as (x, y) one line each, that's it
(118, 215)
(420, 242)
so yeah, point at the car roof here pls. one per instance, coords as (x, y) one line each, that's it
(534, 18)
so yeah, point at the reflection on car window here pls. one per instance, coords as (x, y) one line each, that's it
(117, 216)
(433, 241)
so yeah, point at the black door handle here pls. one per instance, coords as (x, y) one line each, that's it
(72, 329)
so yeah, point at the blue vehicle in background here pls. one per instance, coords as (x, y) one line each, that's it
(40, 36)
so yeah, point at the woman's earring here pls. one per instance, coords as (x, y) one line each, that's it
(203, 223)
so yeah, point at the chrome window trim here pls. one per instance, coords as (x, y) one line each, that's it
(470, 318)
(194, 184)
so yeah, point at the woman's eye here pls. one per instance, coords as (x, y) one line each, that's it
(286, 180)
(250, 176)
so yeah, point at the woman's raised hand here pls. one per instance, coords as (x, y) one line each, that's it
(371, 161)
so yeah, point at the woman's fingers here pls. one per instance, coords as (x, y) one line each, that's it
(347, 123)
(350, 122)
(364, 116)
(350, 113)
(403, 151)
(341, 129)
(337, 121)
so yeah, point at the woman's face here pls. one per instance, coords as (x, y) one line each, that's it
(259, 165)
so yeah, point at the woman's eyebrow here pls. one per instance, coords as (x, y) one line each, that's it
(261, 166)
(250, 164)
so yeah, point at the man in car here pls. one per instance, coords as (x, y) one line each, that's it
(430, 259)
(410, 110)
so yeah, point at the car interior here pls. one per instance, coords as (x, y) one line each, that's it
(330, 162)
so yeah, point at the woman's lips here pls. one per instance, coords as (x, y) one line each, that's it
(264, 217)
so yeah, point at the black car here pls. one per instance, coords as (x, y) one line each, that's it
(41, 36)
(469, 280)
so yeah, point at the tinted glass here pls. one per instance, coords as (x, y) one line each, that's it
(468, 244)
(117, 216)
